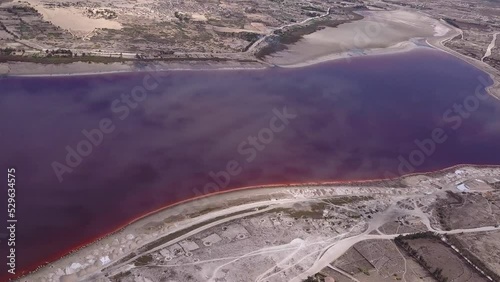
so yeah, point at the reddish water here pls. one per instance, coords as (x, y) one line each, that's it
(354, 120)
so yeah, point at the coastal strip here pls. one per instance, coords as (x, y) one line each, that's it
(183, 214)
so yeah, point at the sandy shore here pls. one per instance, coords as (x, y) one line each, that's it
(439, 43)
(182, 215)
(20, 69)
(166, 220)
(400, 47)
(312, 49)
(378, 33)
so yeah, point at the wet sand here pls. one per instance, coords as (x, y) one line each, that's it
(378, 32)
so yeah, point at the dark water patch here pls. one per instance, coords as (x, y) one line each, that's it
(354, 120)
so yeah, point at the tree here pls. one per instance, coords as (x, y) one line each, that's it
(316, 278)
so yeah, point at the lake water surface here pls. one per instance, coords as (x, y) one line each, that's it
(348, 120)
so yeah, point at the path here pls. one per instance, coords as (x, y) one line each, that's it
(343, 273)
(342, 246)
(490, 47)
(256, 43)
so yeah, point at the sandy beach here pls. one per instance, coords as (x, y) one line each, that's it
(183, 215)
(378, 33)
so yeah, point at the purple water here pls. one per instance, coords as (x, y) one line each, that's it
(356, 119)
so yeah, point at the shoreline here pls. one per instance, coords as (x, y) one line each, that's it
(249, 194)
(195, 65)
(124, 68)
(127, 68)
(397, 48)
(436, 43)
(247, 60)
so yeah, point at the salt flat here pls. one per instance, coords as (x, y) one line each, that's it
(377, 30)
(72, 19)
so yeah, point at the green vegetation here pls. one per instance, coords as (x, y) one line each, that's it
(348, 200)
(314, 9)
(364, 271)
(18, 10)
(51, 59)
(316, 278)
(438, 274)
(282, 37)
(120, 276)
(60, 59)
(143, 260)
(315, 213)
(315, 210)
(451, 22)
(7, 51)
